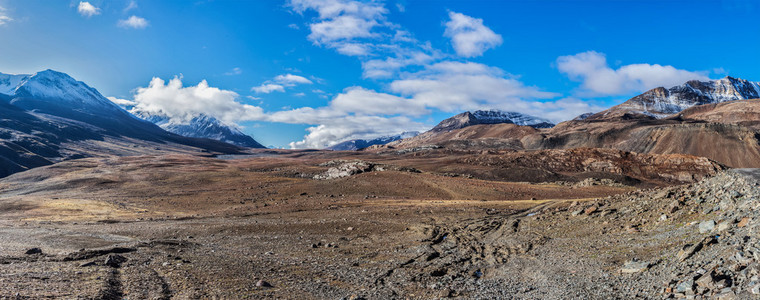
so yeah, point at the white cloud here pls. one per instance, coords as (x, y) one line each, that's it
(267, 88)
(469, 36)
(597, 78)
(122, 102)
(234, 71)
(280, 82)
(88, 10)
(334, 131)
(4, 18)
(133, 22)
(182, 103)
(456, 86)
(294, 26)
(290, 79)
(361, 29)
(361, 101)
(341, 28)
(341, 20)
(132, 5)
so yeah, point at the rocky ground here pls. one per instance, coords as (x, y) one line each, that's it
(378, 225)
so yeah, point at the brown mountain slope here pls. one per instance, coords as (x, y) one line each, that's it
(726, 132)
(495, 135)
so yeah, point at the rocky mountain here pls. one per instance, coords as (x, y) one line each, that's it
(477, 117)
(724, 129)
(364, 143)
(661, 102)
(49, 116)
(202, 126)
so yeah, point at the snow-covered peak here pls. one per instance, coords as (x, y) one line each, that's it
(661, 102)
(200, 126)
(497, 116)
(9, 82)
(490, 117)
(55, 88)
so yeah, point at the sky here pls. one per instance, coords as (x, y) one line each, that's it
(312, 73)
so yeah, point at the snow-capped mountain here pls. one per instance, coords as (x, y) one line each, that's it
(364, 143)
(490, 117)
(202, 126)
(49, 116)
(661, 102)
(49, 90)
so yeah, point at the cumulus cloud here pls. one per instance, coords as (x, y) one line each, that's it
(456, 86)
(182, 103)
(4, 18)
(341, 20)
(329, 133)
(597, 77)
(361, 101)
(469, 36)
(122, 102)
(86, 9)
(290, 79)
(133, 22)
(267, 88)
(361, 29)
(280, 82)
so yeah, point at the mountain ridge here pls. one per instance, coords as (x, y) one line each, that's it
(364, 143)
(50, 117)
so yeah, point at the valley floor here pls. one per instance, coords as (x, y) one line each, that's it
(182, 227)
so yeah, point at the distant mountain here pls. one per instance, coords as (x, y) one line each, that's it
(361, 144)
(48, 117)
(479, 117)
(661, 102)
(202, 126)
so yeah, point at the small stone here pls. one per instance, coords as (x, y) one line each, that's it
(726, 294)
(262, 283)
(706, 226)
(349, 228)
(88, 264)
(115, 260)
(663, 218)
(634, 267)
(706, 281)
(723, 226)
(755, 289)
(744, 221)
(688, 250)
(685, 286)
(590, 210)
(33, 251)
(577, 212)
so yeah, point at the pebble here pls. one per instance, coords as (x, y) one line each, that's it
(634, 267)
(743, 223)
(685, 286)
(706, 226)
(262, 283)
(33, 251)
(115, 260)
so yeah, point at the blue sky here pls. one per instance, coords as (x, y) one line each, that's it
(310, 73)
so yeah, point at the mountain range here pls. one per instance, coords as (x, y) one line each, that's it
(364, 143)
(715, 119)
(201, 126)
(49, 117)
